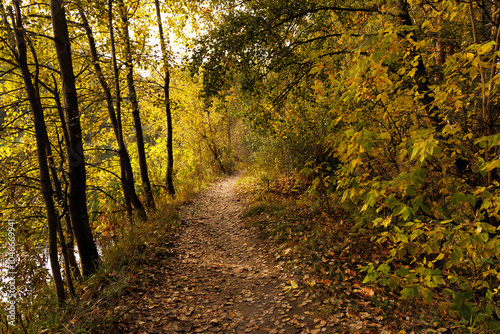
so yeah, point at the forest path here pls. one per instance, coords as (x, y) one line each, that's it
(222, 278)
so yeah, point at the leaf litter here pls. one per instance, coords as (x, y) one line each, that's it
(326, 249)
(221, 279)
(224, 273)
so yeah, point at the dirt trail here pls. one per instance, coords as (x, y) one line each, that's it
(222, 278)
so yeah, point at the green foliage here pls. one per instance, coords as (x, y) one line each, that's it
(390, 108)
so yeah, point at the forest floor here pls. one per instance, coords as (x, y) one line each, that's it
(223, 277)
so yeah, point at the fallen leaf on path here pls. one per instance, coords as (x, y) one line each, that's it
(367, 292)
(288, 288)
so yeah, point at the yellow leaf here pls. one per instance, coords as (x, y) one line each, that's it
(412, 72)
(385, 135)
(383, 98)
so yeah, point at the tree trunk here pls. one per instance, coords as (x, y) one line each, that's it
(76, 161)
(70, 247)
(40, 136)
(126, 167)
(170, 150)
(141, 152)
(59, 196)
(168, 113)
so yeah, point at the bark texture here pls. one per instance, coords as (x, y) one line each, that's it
(168, 113)
(40, 137)
(76, 160)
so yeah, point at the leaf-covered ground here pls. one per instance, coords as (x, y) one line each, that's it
(264, 267)
(221, 279)
(325, 250)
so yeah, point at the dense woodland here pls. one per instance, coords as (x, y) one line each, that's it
(383, 112)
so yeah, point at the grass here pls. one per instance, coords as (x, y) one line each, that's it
(123, 269)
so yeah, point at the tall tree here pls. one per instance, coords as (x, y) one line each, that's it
(127, 179)
(61, 195)
(166, 93)
(76, 160)
(127, 173)
(134, 104)
(41, 144)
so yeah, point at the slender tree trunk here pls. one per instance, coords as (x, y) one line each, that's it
(440, 53)
(61, 195)
(70, 247)
(40, 136)
(62, 201)
(127, 173)
(168, 113)
(77, 175)
(57, 184)
(141, 152)
(229, 149)
(170, 150)
(60, 198)
(109, 103)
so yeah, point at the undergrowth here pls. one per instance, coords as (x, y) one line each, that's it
(127, 258)
(124, 268)
(327, 248)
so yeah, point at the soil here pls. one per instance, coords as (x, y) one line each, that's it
(221, 279)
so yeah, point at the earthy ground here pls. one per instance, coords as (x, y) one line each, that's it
(222, 279)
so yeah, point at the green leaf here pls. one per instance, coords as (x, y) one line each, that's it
(384, 268)
(402, 272)
(408, 293)
(489, 294)
(456, 255)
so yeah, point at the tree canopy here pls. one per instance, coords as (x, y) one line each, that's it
(389, 107)
(386, 109)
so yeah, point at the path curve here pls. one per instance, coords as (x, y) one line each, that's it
(222, 279)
